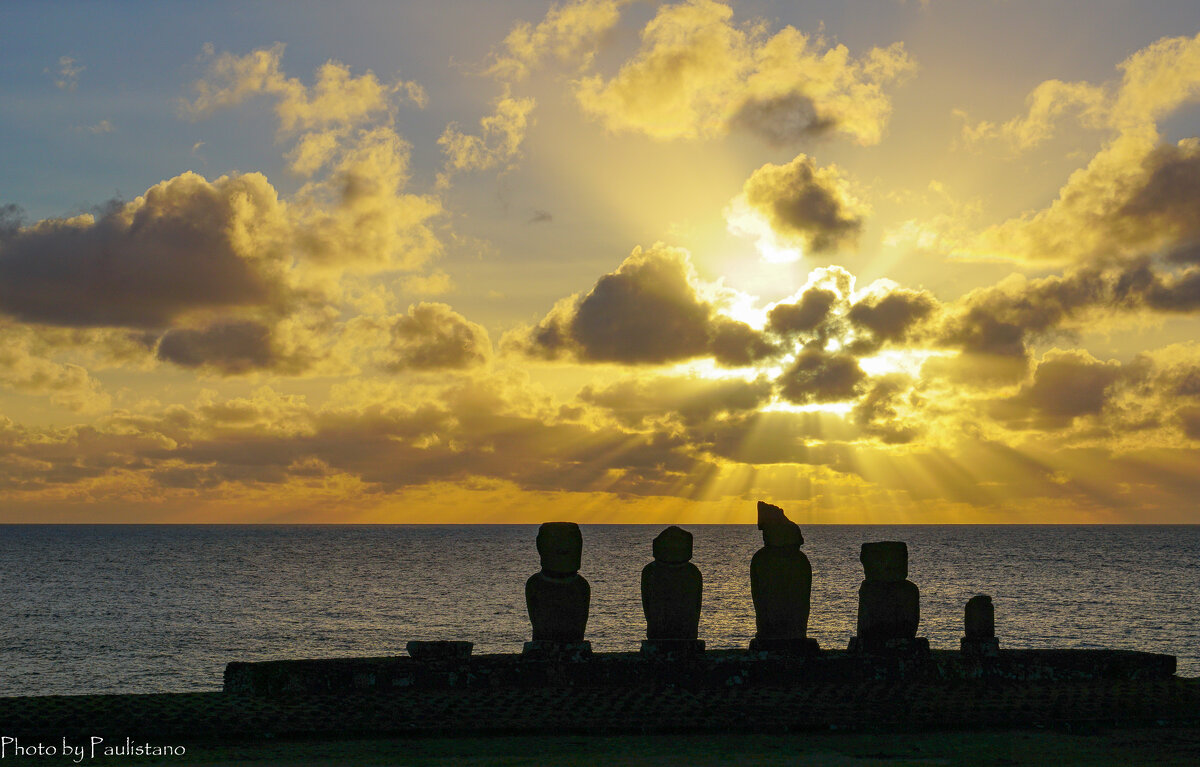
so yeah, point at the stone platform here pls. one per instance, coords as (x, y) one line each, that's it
(712, 670)
(870, 706)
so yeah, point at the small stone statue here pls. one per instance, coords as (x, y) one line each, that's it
(781, 585)
(889, 605)
(979, 621)
(558, 596)
(671, 589)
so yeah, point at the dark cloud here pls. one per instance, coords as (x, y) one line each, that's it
(998, 320)
(1189, 421)
(876, 412)
(821, 376)
(804, 315)
(229, 348)
(646, 312)
(12, 218)
(1169, 197)
(433, 336)
(1183, 382)
(1065, 386)
(187, 244)
(637, 402)
(894, 315)
(1178, 293)
(993, 326)
(1187, 253)
(783, 121)
(804, 204)
(736, 344)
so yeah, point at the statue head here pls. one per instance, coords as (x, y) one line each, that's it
(673, 545)
(885, 560)
(776, 528)
(560, 545)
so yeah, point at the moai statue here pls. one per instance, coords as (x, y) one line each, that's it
(781, 586)
(979, 620)
(558, 596)
(671, 589)
(889, 605)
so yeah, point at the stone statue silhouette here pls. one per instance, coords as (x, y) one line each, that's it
(889, 605)
(671, 588)
(979, 623)
(780, 584)
(557, 596)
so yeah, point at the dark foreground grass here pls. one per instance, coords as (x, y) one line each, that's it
(980, 748)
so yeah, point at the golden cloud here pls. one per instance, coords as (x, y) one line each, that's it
(697, 75)
(795, 209)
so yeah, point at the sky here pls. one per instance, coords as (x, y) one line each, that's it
(605, 261)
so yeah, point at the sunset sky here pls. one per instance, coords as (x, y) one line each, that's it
(604, 261)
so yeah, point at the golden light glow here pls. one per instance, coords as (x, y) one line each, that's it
(609, 262)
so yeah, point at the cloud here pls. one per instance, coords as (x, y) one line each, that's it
(1157, 80)
(11, 220)
(795, 209)
(27, 366)
(570, 33)
(336, 98)
(817, 376)
(782, 120)
(498, 142)
(805, 315)
(242, 280)
(878, 411)
(649, 311)
(999, 319)
(358, 219)
(67, 76)
(1002, 318)
(226, 347)
(1066, 385)
(104, 126)
(186, 245)
(1189, 421)
(994, 327)
(1046, 104)
(735, 344)
(641, 402)
(893, 315)
(697, 75)
(1132, 198)
(434, 284)
(227, 276)
(433, 336)
(1166, 202)
(815, 313)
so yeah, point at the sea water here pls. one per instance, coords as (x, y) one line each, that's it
(163, 608)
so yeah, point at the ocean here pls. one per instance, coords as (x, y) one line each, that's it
(163, 608)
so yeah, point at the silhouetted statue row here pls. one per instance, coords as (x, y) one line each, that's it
(780, 584)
